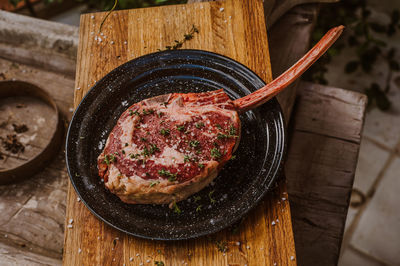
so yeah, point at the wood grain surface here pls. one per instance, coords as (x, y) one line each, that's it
(234, 28)
(326, 130)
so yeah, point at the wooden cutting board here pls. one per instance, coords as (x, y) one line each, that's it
(234, 28)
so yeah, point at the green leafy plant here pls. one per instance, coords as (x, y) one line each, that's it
(364, 36)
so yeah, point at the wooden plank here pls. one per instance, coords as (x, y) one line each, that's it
(234, 28)
(14, 256)
(33, 211)
(320, 186)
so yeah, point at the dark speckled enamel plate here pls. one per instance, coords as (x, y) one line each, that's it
(239, 186)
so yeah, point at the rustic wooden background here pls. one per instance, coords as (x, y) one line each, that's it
(32, 220)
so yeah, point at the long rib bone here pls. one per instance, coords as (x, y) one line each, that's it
(262, 95)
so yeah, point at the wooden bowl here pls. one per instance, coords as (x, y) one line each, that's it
(30, 129)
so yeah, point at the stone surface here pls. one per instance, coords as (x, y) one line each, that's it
(351, 257)
(371, 160)
(383, 127)
(378, 231)
(351, 214)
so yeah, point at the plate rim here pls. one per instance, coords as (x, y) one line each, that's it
(277, 173)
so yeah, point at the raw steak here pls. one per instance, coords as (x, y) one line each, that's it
(165, 148)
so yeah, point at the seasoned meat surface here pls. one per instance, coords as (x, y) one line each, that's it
(166, 148)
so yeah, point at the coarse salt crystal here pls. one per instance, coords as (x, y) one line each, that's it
(79, 250)
(273, 223)
(71, 221)
(148, 261)
(69, 226)
(238, 243)
(283, 199)
(92, 17)
(248, 247)
(130, 259)
(112, 42)
(291, 257)
(78, 199)
(78, 88)
(277, 220)
(221, 9)
(137, 255)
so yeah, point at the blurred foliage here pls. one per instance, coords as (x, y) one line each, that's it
(363, 35)
(122, 4)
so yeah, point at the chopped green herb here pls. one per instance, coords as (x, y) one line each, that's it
(82, 137)
(159, 251)
(164, 132)
(176, 208)
(222, 136)
(222, 246)
(126, 144)
(137, 126)
(215, 153)
(196, 198)
(199, 125)
(145, 152)
(159, 263)
(200, 165)
(186, 37)
(153, 148)
(232, 131)
(233, 157)
(218, 126)
(210, 196)
(186, 158)
(148, 111)
(123, 152)
(109, 158)
(194, 143)
(153, 183)
(166, 173)
(133, 112)
(199, 208)
(180, 128)
(160, 114)
(134, 156)
(143, 139)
